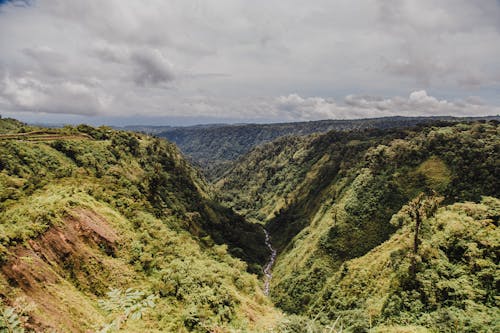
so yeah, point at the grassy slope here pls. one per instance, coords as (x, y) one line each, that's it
(110, 209)
(328, 199)
(91, 209)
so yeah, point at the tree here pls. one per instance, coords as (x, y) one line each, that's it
(422, 207)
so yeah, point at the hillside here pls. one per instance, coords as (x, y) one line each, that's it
(215, 147)
(328, 200)
(377, 230)
(454, 289)
(83, 210)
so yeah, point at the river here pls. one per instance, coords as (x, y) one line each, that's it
(267, 269)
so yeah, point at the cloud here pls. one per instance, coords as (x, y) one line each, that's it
(30, 94)
(234, 59)
(418, 103)
(46, 60)
(441, 43)
(152, 68)
(310, 108)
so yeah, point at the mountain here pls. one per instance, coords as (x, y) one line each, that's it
(87, 210)
(215, 147)
(331, 203)
(390, 229)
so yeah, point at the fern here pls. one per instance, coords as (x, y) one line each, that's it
(129, 304)
(10, 322)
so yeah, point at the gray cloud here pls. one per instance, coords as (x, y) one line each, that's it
(418, 103)
(152, 67)
(451, 42)
(28, 94)
(235, 59)
(45, 60)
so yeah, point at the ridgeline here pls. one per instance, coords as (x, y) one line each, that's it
(378, 226)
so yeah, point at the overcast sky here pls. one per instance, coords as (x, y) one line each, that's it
(198, 61)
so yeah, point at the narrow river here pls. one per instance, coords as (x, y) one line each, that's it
(267, 269)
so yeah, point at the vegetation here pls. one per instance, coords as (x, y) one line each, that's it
(328, 201)
(453, 288)
(378, 230)
(94, 209)
(9, 321)
(124, 305)
(216, 147)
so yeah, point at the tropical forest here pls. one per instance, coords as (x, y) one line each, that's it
(356, 230)
(236, 166)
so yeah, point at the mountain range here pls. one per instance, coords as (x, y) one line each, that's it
(379, 225)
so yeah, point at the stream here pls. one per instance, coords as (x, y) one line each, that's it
(267, 269)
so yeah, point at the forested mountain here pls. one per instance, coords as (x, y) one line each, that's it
(377, 230)
(83, 210)
(331, 203)
(215, 147)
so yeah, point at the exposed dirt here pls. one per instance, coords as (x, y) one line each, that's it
(62, 253)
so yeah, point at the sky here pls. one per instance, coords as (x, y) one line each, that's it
(182, 62)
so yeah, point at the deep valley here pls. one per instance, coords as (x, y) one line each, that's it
(377, 228)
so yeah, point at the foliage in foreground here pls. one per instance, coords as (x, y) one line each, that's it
(124, 305)
(80, 214)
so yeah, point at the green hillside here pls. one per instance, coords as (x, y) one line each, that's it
(454, 288)
(377, 230)
(83, 210)
(328, 201)
(215, 147)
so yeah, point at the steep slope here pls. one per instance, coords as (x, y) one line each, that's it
(327, 199)
(290, 170)
(215, 147)
(83, 210)
(454, 288)
(104, 229)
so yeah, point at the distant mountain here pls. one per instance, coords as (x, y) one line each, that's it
(215, 147)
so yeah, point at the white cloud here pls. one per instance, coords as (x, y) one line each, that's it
(418, 103)
(234, 58)
(30, 94)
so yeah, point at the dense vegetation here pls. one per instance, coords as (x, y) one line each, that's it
(328, 201)
(83, 210)
(215, 147)
(378, 230)
(453, 288)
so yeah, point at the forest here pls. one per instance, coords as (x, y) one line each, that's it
(378, 228)
(342, 210)
(214, 148)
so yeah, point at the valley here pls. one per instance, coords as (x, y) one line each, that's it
(331, 202)
(249, 166)
(215, 147)
(374, 229)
